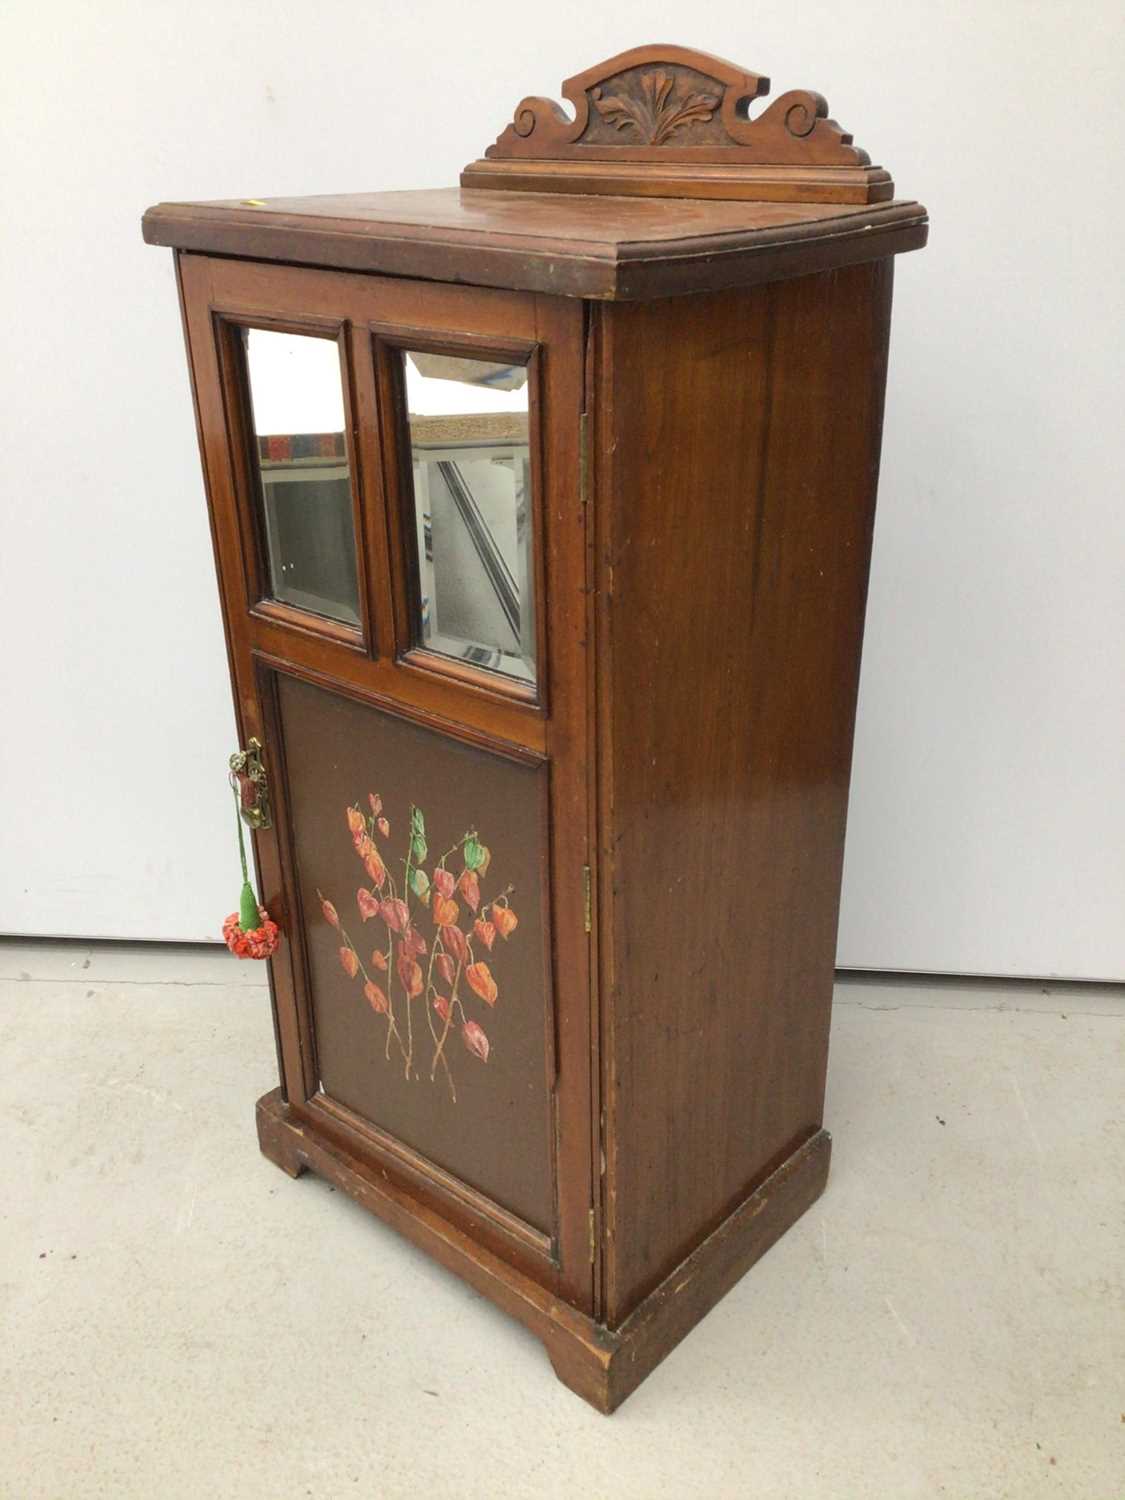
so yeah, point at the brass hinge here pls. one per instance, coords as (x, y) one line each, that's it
(584, 458)
(587, 899)
(593, 1238)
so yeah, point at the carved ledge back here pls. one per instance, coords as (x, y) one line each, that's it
(666, 121)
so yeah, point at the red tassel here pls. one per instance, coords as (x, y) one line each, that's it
(259, 942)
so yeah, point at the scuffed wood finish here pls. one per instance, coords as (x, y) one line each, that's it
(600, 1364)
(738, 444)
(562, 243)
(653, 109)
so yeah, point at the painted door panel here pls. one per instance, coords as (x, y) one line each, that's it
(429, 1021)
(345, 711)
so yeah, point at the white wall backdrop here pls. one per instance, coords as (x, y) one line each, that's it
(988, 815)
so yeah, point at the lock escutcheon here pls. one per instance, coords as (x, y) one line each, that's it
(248, 775)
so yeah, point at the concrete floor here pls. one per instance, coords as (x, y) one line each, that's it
(181, 1320)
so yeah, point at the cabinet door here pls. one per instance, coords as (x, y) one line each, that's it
(393, 475)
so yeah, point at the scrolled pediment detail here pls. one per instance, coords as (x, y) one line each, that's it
(664, 104)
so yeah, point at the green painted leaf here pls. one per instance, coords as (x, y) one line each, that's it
(418, 849)
(417, 820)
(474, 854)
(420, 884)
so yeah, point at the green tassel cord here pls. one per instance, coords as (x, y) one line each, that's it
(248, 917)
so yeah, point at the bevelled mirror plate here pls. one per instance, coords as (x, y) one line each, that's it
(297, 409)
(471, 531)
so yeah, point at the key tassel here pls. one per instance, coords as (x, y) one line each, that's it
(248, 932)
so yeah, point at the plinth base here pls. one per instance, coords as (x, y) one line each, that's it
(602, 1365)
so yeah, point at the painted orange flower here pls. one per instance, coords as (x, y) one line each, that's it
(470, 889)
(481, 982)
(411, 975)
(413, 942)
(454, 943)
(446, 912)
(410, 966)
(395, 913)
(505, 919)
(476, 1041)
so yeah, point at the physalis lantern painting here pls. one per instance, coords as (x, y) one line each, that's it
(429, 968)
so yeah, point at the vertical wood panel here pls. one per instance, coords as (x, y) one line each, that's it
(740, 482)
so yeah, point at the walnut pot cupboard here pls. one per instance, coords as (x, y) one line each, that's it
(542, 514)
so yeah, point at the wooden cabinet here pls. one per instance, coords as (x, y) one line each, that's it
(542, 514)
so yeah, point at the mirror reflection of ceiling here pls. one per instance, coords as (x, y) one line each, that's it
(295, 383)
(445, 384)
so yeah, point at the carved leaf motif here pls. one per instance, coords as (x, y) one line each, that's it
(657, 86)
(654, 116)
(694, 107)
(621, 112)
(651, 98)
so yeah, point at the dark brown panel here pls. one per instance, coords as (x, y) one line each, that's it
(472, 1095)
(739, 451)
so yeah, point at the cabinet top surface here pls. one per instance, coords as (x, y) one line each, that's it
(595, 246)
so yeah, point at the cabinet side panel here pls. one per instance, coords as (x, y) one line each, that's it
(740, 446)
